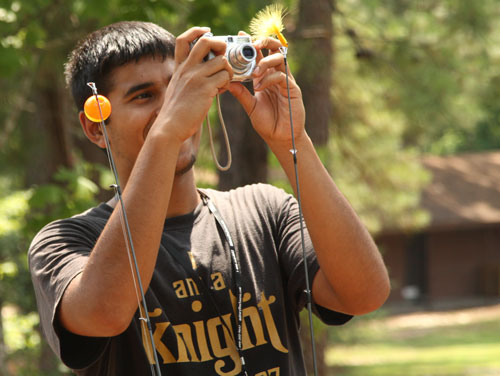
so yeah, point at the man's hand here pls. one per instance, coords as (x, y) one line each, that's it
(345, 250)
(194, 84)
(268, 108)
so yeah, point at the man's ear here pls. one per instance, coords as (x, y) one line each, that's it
(92, 130)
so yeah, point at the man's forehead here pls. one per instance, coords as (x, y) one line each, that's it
(147, 69)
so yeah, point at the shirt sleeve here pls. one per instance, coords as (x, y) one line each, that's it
(291, 255)
(58, 254)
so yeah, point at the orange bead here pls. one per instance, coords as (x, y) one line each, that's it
(91, 108)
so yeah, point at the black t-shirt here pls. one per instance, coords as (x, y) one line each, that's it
(193, 312)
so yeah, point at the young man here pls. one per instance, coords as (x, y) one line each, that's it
(87, 300)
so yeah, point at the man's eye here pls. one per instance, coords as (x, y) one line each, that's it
(143, 96)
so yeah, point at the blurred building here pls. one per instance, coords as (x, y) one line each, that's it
(456, 258)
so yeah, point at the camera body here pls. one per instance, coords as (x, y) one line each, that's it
(240, 54)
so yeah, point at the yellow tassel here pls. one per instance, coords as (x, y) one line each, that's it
(269, 22)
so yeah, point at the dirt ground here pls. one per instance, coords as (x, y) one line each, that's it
(433, 319)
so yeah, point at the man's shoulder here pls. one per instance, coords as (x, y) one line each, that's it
(101, 211)
(91, 220)
(256, 192)
(94, 215)
(251, 201)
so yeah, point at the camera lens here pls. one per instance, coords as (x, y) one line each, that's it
(248, 52)
(242, 58)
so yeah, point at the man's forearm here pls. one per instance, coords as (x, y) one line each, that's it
(104, 297)
(348, 257)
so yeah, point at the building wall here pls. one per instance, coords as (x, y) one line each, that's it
(459, 264)
(459, 260)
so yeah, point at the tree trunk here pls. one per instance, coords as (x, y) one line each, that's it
(248, 149)
(52, 115)
(3, 350)
(52, 147)
(313, 48)
(49, 134)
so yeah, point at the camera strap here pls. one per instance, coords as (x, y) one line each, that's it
(235, 264)
(190, 268)
(226, 139)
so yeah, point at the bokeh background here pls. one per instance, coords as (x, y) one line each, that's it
(402, 104)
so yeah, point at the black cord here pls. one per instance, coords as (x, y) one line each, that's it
(306, 271)
(155, 369)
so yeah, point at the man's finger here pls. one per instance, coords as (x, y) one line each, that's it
(271, 44)
(217, 64)
(275, 78)
(243, 96)
(221, 79)
(204, 46)
(183, 42)
(275, 61)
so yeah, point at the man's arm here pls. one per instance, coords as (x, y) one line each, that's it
(101, 301)
(352, 277)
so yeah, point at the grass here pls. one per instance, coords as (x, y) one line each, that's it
(446, 348)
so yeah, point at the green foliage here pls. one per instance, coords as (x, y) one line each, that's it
(226, 17)
(432, 59)
(25, 212)
(20, 331)
(410, 78)
(72, 192)
(486, 134)
(12, 208)
(22, 214)
(14, 279)
(367, 155)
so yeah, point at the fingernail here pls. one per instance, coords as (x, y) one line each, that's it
(257, 71)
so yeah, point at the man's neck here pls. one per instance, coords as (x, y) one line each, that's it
(184, 197)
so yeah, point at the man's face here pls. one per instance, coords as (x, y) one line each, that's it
(137, 94)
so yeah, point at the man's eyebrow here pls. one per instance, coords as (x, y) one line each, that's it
(139, 87)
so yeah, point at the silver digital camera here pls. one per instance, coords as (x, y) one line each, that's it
(240, 54)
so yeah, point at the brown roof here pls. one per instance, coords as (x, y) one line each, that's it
(464, 191)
